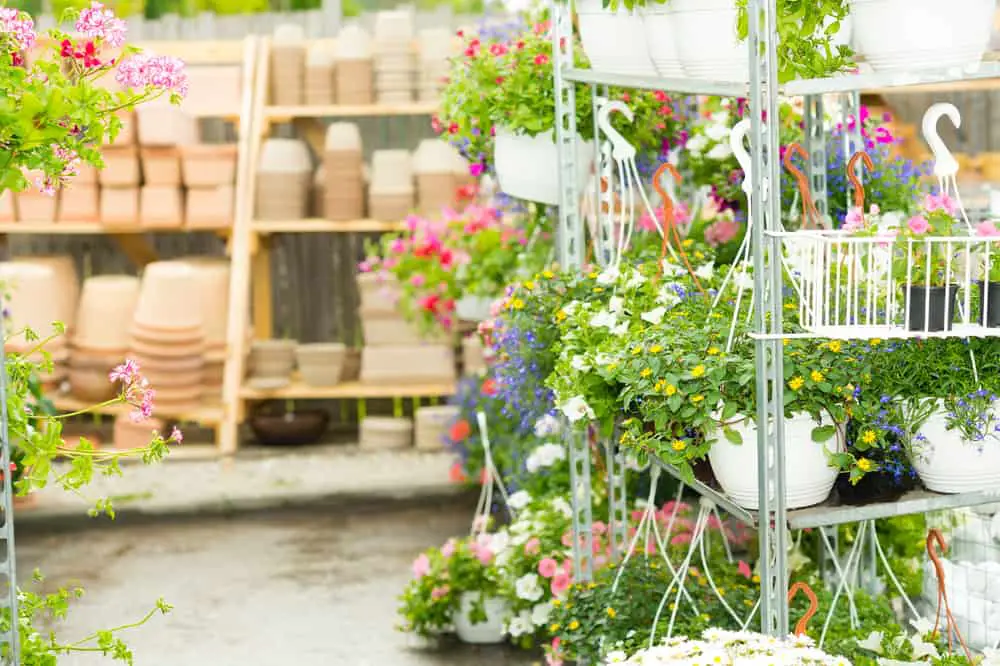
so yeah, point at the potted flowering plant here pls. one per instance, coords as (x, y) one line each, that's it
(718, 646)
(989, 282)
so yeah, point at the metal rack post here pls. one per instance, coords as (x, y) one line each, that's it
(815, 132)
(9, 638)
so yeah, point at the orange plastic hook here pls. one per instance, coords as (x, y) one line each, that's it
(936, 547)
(810, 216)
(800, 626)
(852, 175)
(668, 223)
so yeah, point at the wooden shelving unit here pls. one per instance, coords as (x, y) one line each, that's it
(349, 391)
(288, 113)
(319, 225)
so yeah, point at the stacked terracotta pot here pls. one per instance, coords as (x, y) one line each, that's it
(440, 172)
(163, 129)
(167, 337)
(121, 177)
(288, 65)
(213, 280)
(271, 364)
(354, 67)
(391, 193)
(320, 83)
(34, 205)
(284, 180)
(394, 33)
(385, 433)
(343, 177)
(435, 47)
(321, 363)
(208, 172)
(31, 286)
(395, 350)
(101, 338)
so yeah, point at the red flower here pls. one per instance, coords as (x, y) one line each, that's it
(660, 96)
(453, 128)
(489, 387)
(456, 474)
(429, 303)
(66, 49)
(499, 80)
(459, 430)
(520, 45)
(541, 59)
(447, 257)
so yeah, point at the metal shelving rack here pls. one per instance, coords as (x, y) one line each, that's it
(774, 519)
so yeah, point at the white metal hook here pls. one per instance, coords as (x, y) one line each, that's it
(622, 149)
(736, 141)
(945, 165)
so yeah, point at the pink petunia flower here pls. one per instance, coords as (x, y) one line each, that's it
(448, 549)
(918, 224)
(533, 546)
(548, 567)
(560, 584)
(721, 232)
(744, 569)
(854, 220)
(987, 229)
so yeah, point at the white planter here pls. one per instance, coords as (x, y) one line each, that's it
(482, 633)
(528, 166)
(947, 463)
(705, 31)
(808, 477)
(615, 42)
(473, 308)
(924, 34)
(658, 21)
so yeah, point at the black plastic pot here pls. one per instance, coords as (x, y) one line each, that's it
(933, 311)
(989, 304)
(873, 487)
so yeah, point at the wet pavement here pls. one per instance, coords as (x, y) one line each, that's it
(303, 588)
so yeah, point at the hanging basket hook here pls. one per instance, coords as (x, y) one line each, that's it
(669, 226)
(945, 164)
(852, 176)
(936, 547)
(802, 624)
(810, 216)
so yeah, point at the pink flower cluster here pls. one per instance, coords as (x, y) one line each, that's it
(135, 389)
(144, 70)
(98, 22)
(560, 576)
(19, 26)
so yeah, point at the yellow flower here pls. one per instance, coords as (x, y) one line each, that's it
(655, 349)
(834, 346)
(660, 385)
(796, 383)
(517, 304)
(670, 390)
(591, 586)
(687, 242)
(598, 290)
(557, 603)
(865, 465)
(548, 275)
(785, 342)
(790, 306)
(529, 285)
(592, 275)
(574, 625)
(722, 591)
(714, 351)
(646, 372)
(697, 398)
(875, 342)
(816, 376)
(869, 437)
(554, 628)
(636, 351)
(698, 371)
(678, 445)
(612, 613)
(561, 316)
(699, 255)
(748, 603)
(755, 579)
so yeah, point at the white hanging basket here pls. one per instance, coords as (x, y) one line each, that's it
(658, 22)
(528, 166)
(614, 41)
(482, 633)
(925, 34)
(947, 463)
(473, 308)
(808, 477)
(705, 31)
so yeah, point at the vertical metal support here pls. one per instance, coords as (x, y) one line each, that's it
(570, 229)
(828, 569)
(853, 139)
(604, 242)
(9, 645)
(768, 289)
(617, 502)
(816, 147)
(868, 565)
(583, 517)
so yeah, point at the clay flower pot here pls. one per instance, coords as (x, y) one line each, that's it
(68, 284)
(161, 206)
(91, 385)
(120, 206)
(213, 279)
(209, 207)
(169, 297)
(208, 165)
(79, 203)
(129, 435)
(161, 166)
(321, 364)
(104, 315)
(121, 167)
(31, 303)
(385, 432)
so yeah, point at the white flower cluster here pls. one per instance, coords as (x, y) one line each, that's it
(731, 648)
(713, 141)
(545, 456)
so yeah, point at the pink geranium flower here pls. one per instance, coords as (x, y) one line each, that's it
(744, 569)
(548, 567)
(987, 229)
(448, 549)
(942, 201)
(918, 225)
(721, 232)
(421, 566)
(854, 220)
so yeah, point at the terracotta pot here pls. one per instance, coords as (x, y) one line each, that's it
(166, 351)
(161, 166)
(121, 167)
(169, 337)
(288, 69)
(210, 207)
(161, 124)
(169, 296)
(161, 364)
(79, 203)
(33, 206)
(178, 395)
(214, 89)
(7, 212)
(96, 360)
(408, 363)
(120, 206)
(68, 284)
(382, 432)
(161, 206)
(31, 304)
(91, 385)
(208, 165)
(213, 279)
(86, 175)
(127, 133)
(104, 315)
(129, 435)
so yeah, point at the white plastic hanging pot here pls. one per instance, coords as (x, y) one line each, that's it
(808, 477)
(481, 633)
(614, 41)
(528, 166)
(705, 31)
(948, 463)
(925, 34)
(473, 308)
(658, 21)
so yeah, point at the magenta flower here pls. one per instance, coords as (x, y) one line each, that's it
(548, 567)
(560, 583)
(421, 566)
(176, 436)
(476, 169)
(987, 229)
(19, 25)
(99, 22)
(721, 232)
(854, 220)
(744, 569)
(942, 201)
(143, 70)
(918, 225)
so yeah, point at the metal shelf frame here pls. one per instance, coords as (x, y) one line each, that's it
(773, 519)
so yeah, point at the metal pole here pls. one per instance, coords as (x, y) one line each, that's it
(9, 638)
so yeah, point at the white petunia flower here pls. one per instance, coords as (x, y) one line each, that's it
(526, 587)
(616, 304)
(560, 505)
(540, 614)
(620, 329)
(608, 277)
(637, 279)
(579, 363)
(696, 145)
(576, 409)
(718, 132)
(670, 269)
(519, 500)
(668, 296)
(873, 642)
(720, 151)
(654, 316)
(922, 626)
(705, 271)
(604, 319)
(546, 426)
(617, 657)
(520, 625)
(923, 649)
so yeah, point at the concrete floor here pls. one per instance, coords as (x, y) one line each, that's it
(313, 588)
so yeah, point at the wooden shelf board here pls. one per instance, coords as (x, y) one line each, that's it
(319, 225)
(275, 113)
(207, 416)
(56, 228)
(349, 390)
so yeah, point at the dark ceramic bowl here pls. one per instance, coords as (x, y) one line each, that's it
(290, 429)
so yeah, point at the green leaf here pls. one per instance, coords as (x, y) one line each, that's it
(823, 433)
(733, 436)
